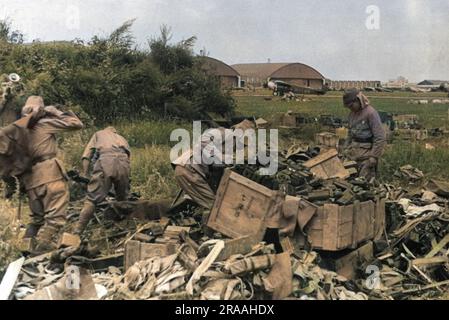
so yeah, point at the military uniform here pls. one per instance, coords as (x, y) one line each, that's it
(367, 139)
(46, 182)
(196, 178)
(110, 153)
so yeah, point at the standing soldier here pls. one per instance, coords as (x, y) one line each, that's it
(46, 182)
(367, 139)
(110, 154)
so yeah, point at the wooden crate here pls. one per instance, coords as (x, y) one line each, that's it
(241, 207)
(327, 165)
(335, 227)
(327, 139)
(137, 251)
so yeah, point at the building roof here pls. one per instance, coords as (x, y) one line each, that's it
(217, 67)
(277, 70)
(432, 82)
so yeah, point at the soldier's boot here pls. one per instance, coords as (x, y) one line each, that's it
(86, 214)
(45, 240)
(31, 230)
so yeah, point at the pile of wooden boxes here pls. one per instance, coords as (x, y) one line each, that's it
(246, 208)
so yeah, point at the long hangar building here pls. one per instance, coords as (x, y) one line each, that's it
(256, 74)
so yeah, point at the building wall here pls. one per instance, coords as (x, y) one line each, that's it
(228, 82)
(343, 84)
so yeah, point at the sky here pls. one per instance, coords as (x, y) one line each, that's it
(343, 39)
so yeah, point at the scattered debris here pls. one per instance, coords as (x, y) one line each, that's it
(410, 173)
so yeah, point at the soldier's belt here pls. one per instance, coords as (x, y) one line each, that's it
(369, 140)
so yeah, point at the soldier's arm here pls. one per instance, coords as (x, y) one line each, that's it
(379, 136)
(88, 154)
(58, 121)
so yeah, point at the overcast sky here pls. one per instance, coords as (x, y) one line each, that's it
(331, 35)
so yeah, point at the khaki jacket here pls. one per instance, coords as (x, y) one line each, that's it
(43, 148)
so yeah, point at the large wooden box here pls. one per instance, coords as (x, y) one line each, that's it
(242, 207)
(335, 227)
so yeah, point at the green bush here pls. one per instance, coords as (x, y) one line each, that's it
(111, 79)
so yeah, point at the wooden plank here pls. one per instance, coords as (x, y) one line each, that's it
(10, 278)
(364, 221)
(330, 227)
(319, 171)
(321, 158)
(379, 219)
(306, 211)
(345, 222)
(438, 247)
(334, 169)
(430, 261)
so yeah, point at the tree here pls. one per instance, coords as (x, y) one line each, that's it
(9, 35)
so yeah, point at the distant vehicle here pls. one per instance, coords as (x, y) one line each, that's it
(281, 87)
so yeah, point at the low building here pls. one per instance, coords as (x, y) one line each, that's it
(298, 74)
(228, 76)
(348, 84)
(433, 83)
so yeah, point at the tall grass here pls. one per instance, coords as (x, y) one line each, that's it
(433, 163)
(142, 133)
(151, 172)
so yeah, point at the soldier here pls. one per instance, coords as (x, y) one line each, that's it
(110, 154)
(367, 140)
(46, 182)
(197, 179)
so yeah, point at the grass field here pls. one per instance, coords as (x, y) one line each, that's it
(152, 174)
(434, 163)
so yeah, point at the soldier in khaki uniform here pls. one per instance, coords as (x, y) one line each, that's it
(367, 138)
(110, 154)
(46, 182)
(195, 178)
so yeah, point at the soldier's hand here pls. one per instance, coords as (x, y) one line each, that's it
(53, 111)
